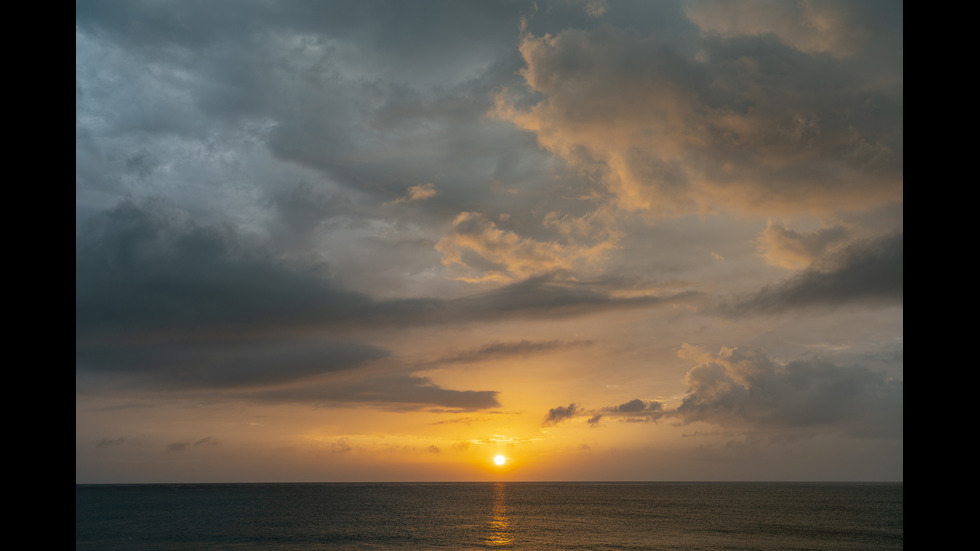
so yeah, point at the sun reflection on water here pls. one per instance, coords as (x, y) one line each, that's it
(499, 534)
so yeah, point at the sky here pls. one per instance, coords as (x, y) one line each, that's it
(388, 241)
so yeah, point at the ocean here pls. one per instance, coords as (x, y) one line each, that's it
(463, 516)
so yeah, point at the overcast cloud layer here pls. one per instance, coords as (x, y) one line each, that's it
(380, 240)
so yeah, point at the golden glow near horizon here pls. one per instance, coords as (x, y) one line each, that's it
(499, 460)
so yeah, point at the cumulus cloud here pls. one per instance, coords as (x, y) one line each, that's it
(739, 388)
(745, 388)
(748, 125)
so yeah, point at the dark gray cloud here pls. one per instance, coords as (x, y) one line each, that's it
(397, 391)
(746, 388)
(637, 406)
(165, 303)
(864, 272)
(547, 297)
(146, 267)
(143, 267)
(499, 350)
(632, 406)
(635, 410)
(558, 414)
(367, 93)
(186, 363)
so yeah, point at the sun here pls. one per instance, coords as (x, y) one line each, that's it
(500, 460)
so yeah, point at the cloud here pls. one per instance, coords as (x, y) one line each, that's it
(163, 302)
(867, 271)
(187, 363)
(638, 407)
(499, 350)
(635, 410)
(632, 406)
(388, 388)
(745, 389)
(166, 304)
(489, 253)
(783, 247)
(544, 297)
(148, 268)
(304, 210)
(740, 388)
(596, 8)
(558, 414)
(418, 193)
(748, 125)
(815, 27)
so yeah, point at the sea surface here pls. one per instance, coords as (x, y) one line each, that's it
(523, 515)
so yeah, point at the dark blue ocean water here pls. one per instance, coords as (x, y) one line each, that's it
(533, 516)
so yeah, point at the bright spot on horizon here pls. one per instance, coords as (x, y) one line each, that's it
(500, 460)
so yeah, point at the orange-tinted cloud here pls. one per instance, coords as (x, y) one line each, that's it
(747, 125)
(783, 247)
(813, 27)
(486, 252)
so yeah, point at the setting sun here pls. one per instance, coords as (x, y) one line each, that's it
(500, 460)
